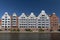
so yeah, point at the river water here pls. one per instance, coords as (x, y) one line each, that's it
(29, 36)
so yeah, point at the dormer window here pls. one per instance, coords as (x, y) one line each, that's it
(14, 16)
(47, 20)
(43, 15)
(22, 17)
(31, 17)
(40, 17)
(5, 16)
(2, 19)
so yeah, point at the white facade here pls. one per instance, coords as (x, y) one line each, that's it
(14, 20)
(43, 20)
(27, 22)
(32, 21)
(22, 21)
(6, 21)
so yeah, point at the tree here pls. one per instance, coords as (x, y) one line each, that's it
(58, 29)
(41, 30)
(0, 30)
(18, 30)
(28, 29)
(13, 30)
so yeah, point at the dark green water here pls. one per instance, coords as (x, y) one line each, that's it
(29, 36)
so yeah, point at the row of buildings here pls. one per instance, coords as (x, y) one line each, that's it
(42, 21)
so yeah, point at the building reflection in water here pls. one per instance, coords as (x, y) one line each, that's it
(34, 36)
(55, 36)
(14, 36)
(29, 36)
(4, 36)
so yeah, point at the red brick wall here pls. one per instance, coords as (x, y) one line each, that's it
(54, 22)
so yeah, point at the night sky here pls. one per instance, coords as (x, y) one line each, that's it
(28, 6)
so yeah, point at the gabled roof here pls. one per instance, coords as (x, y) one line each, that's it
(14, 14)
(43, 13)
(23, 15)
(6, 14)
(32, 15)
(54, 15)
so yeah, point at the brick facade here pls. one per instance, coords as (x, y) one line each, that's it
(54, 20)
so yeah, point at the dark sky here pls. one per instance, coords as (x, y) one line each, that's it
(28, 6)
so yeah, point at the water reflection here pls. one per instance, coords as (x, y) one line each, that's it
(29, 36)
(14, 36)
(55, 36)
(44, 36)
(4, 36)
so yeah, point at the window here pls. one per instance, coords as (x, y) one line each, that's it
(43, 22)
(5, 16)
(42, 26)
(5, 29)
(39, 19)
(5, 26)
(5, 21)
(39, 22)
(39, 26)
(13, 16)
(8, 26)
(47, 20)
(13, 19)
(2, 26)
(22, 17)
(43, 15)
(2, 19)
(46, 26)
(32, 26)
(20, 24)
(31, 17)
(8, 19)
